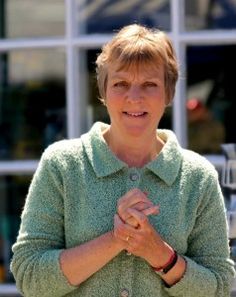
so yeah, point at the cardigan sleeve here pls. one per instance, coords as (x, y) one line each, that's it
(210, 270)
(35, 263)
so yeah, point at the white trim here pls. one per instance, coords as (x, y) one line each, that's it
(7, 45)
(91, 41)
(82, 94)
(209, 37)
(83, 41)
(179, 108)
(8, 289)
(73, 121)
(18, 167)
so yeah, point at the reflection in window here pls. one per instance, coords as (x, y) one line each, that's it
(107, 16)
(32, 102)
(97, 111)
(13, 190)
(31, 18)
(210, 14)
(211, 96)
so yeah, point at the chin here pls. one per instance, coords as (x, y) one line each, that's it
(136, 131)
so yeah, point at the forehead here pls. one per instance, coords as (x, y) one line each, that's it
(145, 70)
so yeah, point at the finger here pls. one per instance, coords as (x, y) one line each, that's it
(140, 206)
(132, 222)
(117, 222)
(153, 210)
(130, 199)
(118, 233)
(139, 216)
(122, 229)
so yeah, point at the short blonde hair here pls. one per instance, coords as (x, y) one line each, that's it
(134, 45)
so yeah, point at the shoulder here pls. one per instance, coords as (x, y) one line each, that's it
(66, 146)
(192, 162)
(63, 152)
(197, 165)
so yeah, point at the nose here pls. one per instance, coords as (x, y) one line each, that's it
(134, 93)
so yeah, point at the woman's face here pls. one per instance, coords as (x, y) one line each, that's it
(135, 99)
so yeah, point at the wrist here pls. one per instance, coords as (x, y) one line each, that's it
(169, 264)
(176, 273)
(161, 256)
(118, 244)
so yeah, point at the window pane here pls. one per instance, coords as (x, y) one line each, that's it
(96, 110)
(217, 14)
(211, 96)
(107, 16)
(13, 190)
(32, 102)
(31, 18)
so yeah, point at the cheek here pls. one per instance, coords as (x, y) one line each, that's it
(112, 104)
(117, 93)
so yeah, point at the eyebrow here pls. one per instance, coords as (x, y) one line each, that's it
(125, 76)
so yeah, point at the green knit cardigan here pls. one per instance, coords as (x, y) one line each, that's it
(73, 198)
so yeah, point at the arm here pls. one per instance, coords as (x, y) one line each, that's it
(209, 270)
(41, 265)
(145, 242)
(80, 262)
(40, 262)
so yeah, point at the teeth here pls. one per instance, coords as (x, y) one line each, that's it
(135, 114)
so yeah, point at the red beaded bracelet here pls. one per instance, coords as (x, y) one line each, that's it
(169, 265)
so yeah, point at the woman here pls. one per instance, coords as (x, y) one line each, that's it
(124, 210)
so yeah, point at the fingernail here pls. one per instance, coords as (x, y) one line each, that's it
(157, 207)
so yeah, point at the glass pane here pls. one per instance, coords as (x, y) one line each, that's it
(210, 14)
(211, 103)
(96, 110)
(107, 16)
(31, 18)
(13, 190)
(32, 102)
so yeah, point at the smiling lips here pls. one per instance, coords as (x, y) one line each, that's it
(135, 114)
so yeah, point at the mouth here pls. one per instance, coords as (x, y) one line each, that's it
(135, 114)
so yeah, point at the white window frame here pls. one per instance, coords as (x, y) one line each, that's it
(76, 93)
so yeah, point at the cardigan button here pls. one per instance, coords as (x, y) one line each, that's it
(133, 176)
(124, 293)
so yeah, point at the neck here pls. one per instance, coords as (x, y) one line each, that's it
(134, 151)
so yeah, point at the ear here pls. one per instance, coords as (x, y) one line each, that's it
(166, 104)
(167, 101)
(103, 101)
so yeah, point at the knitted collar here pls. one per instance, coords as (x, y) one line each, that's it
(166, 166)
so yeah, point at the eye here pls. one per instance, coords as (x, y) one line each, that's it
(121, 84)
(150, 84)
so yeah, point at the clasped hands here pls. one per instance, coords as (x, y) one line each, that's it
(132, 227)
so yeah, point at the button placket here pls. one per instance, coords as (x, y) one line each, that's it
(133, 176)
(124, 293)
(126, 276)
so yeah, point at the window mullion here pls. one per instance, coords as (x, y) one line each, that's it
(179, 109)
(73, 121)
